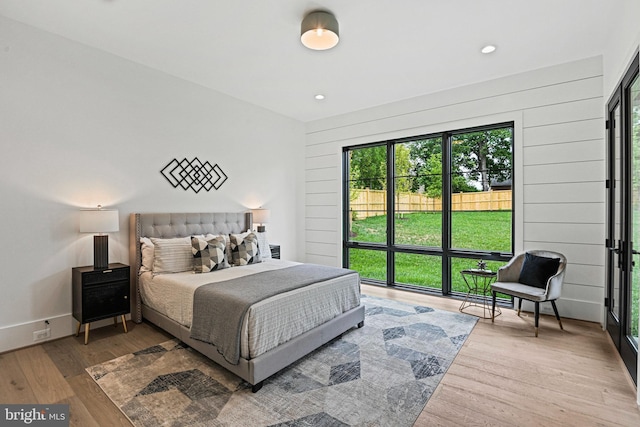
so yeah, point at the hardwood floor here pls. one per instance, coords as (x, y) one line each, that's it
(503, 375)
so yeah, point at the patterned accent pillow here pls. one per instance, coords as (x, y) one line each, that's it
(210, 236)
(244, 249)
(208, 255)
(172, 255)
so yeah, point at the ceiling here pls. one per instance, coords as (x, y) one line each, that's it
(389, 49)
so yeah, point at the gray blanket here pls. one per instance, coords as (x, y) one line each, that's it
(218, 308)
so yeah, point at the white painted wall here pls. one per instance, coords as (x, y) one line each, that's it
(622, 42)
(559, 159)
(79, 127)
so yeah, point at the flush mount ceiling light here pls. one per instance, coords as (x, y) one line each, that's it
(319, 31)
(488, 49)
(319, 97)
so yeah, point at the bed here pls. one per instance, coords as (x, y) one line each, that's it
(273, 335)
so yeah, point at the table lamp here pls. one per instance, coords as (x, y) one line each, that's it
(261, 216)
(99, 221)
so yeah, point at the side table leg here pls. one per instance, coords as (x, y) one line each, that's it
(78, 330)
(86, 333)
(124, 324)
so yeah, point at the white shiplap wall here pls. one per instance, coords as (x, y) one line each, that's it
(559, 157)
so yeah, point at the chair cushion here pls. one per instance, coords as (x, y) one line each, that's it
(536, 270)
(519, 290)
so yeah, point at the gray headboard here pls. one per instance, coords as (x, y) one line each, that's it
(168, 225)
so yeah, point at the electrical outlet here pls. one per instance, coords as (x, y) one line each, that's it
(42, 334)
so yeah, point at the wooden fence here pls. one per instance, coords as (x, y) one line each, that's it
(366, 203)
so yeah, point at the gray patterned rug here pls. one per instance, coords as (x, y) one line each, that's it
(379, 375)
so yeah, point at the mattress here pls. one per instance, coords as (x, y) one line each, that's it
(268, 323)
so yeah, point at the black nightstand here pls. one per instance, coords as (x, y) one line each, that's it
(99, 294)
(275, 251)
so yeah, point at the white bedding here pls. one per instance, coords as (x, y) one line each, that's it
(268, 323)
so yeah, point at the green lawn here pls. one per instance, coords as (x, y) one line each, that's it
(471, 230)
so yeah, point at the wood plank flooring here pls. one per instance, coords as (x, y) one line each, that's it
(503, 375)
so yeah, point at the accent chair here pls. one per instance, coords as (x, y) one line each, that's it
(535, 276)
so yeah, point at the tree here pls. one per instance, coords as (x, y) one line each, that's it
(477, 159)
(402, 168)
(368, 168)
(482, 156)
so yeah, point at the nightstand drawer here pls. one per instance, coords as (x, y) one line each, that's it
(105, 276)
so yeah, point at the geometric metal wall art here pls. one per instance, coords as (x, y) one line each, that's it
(193, 174)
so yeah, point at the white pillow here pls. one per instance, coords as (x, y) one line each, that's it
(172, 255)
(263, 245)
(147, 254)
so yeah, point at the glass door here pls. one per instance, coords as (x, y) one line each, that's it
(623, 218)
(631, 331)
(615, 257)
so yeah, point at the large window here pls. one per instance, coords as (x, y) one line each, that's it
(418, 210)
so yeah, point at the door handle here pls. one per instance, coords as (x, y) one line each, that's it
(618, 250)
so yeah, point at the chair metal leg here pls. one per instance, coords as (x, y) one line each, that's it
(555, 310)
(493, 306)
(519, 306)
(537, 316)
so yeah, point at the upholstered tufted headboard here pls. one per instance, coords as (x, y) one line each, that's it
(168, 225)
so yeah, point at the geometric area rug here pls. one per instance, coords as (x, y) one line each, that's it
(380, 375)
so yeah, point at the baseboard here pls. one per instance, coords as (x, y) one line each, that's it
(18, 336)
(21, 335)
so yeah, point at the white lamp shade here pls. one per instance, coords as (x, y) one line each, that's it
(99, 221)
(319, 31)
(261, 216)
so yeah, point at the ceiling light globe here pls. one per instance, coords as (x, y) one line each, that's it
(319, 31)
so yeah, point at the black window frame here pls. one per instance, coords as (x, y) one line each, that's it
(445, 252)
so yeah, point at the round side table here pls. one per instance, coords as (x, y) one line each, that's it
(479, 292)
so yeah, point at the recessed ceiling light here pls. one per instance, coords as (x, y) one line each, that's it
(488, 48)
(319, 97)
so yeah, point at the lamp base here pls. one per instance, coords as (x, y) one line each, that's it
(261, 229)
(100, 252)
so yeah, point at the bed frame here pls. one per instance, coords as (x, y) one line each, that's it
(256, 370)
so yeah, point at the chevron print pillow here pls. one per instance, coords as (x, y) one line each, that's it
(244, 250)
(208, 255)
